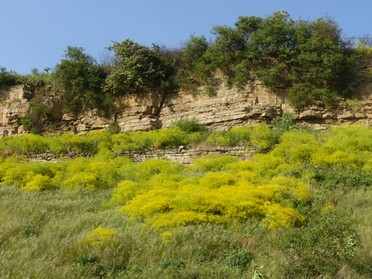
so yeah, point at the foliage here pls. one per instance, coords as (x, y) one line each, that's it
(38, 182)
(322, 247)
(114, 128)
(235, 136)
(194, 70)
(190, 126)
(80, 79)
(27, 124)
(98, 236)
(282, 124)
(262, 137)
(8, 78)
(309, 59)
(138, 69)
(239, 259)
(217, 197)
(39, 79)
(354, 104)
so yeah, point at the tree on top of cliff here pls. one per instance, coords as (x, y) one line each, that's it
(298, 56)
(138, 69)
(79, 78)
(307, 59)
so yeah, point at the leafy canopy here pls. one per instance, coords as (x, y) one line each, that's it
(309, 59)
(137, 69)
(80, 79)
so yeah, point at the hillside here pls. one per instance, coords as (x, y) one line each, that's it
(300, 194)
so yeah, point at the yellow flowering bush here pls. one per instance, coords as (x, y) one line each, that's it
(262, 136)
(348, 146)
(217, 197)
(125, 191)
(218, 138)
(99, 236)
(277, 216)
(368, 165)
(209, 163)
(217, 179)
(38, 182)
(81, 180)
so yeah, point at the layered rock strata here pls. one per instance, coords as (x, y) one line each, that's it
(226, 108)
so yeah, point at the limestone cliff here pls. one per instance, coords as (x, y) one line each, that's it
(14, 105)
(227, 108)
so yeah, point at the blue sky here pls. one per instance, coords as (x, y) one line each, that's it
(35, 33)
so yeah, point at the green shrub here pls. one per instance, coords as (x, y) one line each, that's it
(174, 136)
(354, 104)
(9, 78)
(344, 178)
(218, 138)
(114, 128)
(27, 123)
(190, 126)
(239, 259)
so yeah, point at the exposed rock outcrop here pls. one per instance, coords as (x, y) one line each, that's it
(14, 105)
(182, 154)
(228, 107)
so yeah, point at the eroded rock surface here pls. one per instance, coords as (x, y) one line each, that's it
(226, 108)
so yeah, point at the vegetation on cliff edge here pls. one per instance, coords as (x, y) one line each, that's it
(309, 60)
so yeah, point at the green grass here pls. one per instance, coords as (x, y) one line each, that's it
(41, 235)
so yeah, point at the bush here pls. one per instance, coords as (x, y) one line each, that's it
(80, 79)
(262, 137)
(239, 259)
(322, 247)
(114, 128)
(38, 182)
(9, 78)
(205, 164)
(344, 178)
(190, 126)
(138, 69)
(309, 59)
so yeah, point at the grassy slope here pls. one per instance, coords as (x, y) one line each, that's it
(40, 236)
(41, 232)
(44, 234)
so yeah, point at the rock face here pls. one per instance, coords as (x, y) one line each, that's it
(226, 108)
(14, 105)
(182, 154)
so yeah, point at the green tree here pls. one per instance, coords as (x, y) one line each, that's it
(309, 59)
(138, 69)
(194, 68)
(271, 49)
(80, 79)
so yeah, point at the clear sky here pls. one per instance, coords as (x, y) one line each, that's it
(35, 33)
